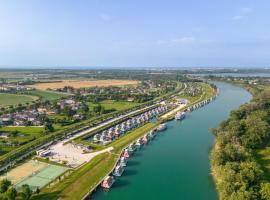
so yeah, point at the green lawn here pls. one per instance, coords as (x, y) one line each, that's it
(15, 99)
(48, 95)
(25, 135)
(117, 105)
(34, 130)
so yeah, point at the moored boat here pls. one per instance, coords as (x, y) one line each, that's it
(132, 147)
(138, 143)
(123, 161)
(145, 139)
(108, 182)
(126, 153)
(118, 171)
(180, 115)
(162, 127)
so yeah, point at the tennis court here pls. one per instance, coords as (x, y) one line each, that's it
(43, 177)
(20, 172)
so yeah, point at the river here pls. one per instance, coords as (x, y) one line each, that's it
(175, 165)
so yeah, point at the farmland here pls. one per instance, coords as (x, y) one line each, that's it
(82, 84)
(15, 99)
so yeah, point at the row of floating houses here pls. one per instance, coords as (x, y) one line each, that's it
(127, 153)
(114, 132)
(181, 115)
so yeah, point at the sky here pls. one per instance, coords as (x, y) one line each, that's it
(135, 33)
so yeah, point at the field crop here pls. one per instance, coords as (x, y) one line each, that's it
(82, 83)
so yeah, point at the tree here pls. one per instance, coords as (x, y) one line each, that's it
(48, 127)
(68, 111)
(25, 192)
(97, 108)
(4, 185)
(11, 193)
(85, 108)
(265, 191)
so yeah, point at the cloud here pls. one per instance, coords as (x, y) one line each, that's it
(244, 12)
(105, 17)
(176, 41)
(237, 17)
(184, 40)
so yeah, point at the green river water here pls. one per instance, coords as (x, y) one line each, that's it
(175, 165)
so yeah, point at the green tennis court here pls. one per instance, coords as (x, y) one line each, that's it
(43, 177)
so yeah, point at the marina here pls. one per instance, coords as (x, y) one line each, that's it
(187, 144)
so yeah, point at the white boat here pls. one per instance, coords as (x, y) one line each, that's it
(162, 127)
(145, 139)
(131, 147)
(138, 143)
(123, 161)
(180, 115)
(118, 171)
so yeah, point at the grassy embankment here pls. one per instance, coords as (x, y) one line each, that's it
(86, 177)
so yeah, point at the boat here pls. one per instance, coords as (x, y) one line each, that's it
(151, 135)
(162, 127)
(123, 161)
(126, 153)
(138, 143)
(108, 182)
(145, 139)
(180, 115)
(118, 171)
(131, 147)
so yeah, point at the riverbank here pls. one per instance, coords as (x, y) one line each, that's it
(235, 167)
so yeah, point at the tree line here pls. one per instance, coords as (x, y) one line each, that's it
(237, 173)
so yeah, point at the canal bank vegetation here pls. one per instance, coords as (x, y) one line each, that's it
(236, 169)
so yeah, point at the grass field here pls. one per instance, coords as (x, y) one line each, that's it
(82, 83)
(33, 130)
(15, 99)
(117, 105)
(29, 134)
(48, 95)
(82, 180)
